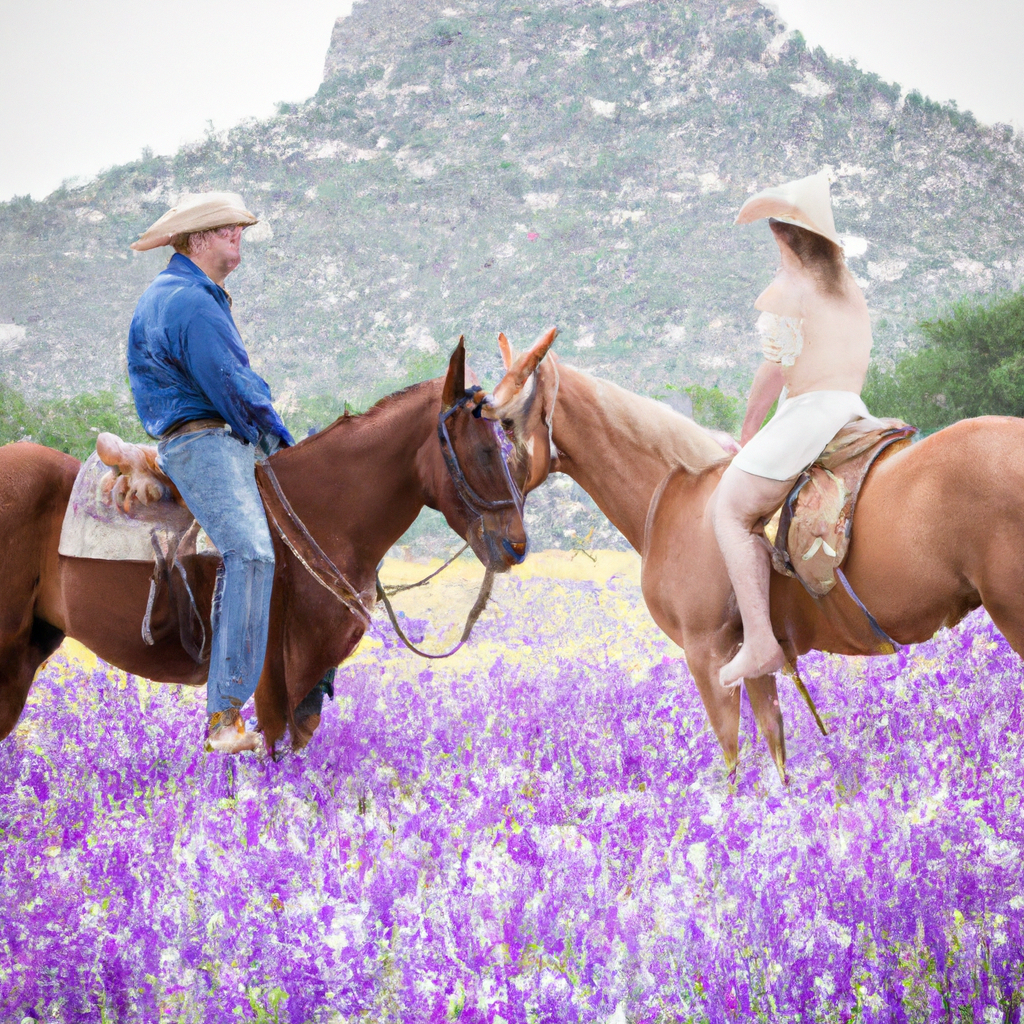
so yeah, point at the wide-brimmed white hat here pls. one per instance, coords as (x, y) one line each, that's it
(804, 202)
(200, 211)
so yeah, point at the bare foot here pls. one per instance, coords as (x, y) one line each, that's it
(753, 659)
(226, 733)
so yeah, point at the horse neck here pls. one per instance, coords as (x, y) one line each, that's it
(357, 484)
(618, 446)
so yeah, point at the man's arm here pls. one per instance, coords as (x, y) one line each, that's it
(240, 395)
(764, 391)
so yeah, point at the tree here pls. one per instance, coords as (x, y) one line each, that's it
(972, 365)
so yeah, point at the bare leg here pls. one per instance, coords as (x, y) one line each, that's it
(740, 501)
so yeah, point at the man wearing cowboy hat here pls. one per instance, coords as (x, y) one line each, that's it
(195, 391)
(816, 340)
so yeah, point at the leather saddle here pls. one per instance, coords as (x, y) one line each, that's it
(810, 533)
(809, 536)
(124, 508)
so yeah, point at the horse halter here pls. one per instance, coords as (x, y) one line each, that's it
(477, 505)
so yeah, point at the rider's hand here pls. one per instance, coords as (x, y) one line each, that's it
(267, 445)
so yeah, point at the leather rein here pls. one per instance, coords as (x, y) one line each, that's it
(320, 566)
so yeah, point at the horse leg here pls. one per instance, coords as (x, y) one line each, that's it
(723, 708)
(1003, 600)
(306, 716)
(689, 595)
(764, 701)
(35, 484)
(20, 658)
(708, 641)
(721, 703)
(271, 697)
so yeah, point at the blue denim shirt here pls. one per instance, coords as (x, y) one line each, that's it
(186, 360)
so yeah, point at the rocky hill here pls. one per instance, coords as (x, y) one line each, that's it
(470, 166)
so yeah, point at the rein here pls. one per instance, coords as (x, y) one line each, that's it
(474, 613)
(383, 594)
(319, 565)
(313, 559)
(399, 587)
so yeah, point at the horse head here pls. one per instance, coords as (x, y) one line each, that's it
(480, 497)
(524, 404)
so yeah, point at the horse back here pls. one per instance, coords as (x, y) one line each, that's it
(932, 522)
(938, 527)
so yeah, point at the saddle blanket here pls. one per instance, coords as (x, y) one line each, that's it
(810, 534)
(96, 526)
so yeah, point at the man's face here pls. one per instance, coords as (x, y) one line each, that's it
(225, 248)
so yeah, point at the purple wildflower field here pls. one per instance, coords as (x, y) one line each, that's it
(540, 829)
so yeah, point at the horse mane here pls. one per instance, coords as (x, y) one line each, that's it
(361, 420)
(674, 438)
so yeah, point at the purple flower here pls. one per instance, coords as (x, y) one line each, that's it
(545, 832)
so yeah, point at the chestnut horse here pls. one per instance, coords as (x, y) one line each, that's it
(357, 486)
(939, 527)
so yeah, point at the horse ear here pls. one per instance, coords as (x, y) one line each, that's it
(519, 373)
(455, 382)
(506, 351)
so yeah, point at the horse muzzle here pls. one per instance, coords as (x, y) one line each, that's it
(499, 540)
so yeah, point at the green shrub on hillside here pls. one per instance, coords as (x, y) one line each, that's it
(712, 407)
(67, 424)
(715, 409)
(972, 365)
(71, 424)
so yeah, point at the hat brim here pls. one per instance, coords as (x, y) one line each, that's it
(184, 222)
(805, 203)
(762, 207)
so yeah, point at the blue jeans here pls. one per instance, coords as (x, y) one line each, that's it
(214, 471)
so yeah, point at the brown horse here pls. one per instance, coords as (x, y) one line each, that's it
(939, 528)
(357, 486)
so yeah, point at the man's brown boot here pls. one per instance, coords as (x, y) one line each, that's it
(226, 732)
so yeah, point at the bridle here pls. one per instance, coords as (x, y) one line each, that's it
(320, 566)
(476, 505)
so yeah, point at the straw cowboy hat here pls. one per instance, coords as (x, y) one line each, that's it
(804, 202)
(202, 211)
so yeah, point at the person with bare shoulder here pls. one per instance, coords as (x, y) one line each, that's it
(816, 340)
(213, 417)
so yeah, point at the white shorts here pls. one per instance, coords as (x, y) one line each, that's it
(798, 433)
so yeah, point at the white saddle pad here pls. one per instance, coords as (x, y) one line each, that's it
(94, 527)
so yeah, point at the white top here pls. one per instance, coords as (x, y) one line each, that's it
(782, 337)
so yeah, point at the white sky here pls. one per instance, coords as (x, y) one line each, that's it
(86, 84)
(964, 50)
